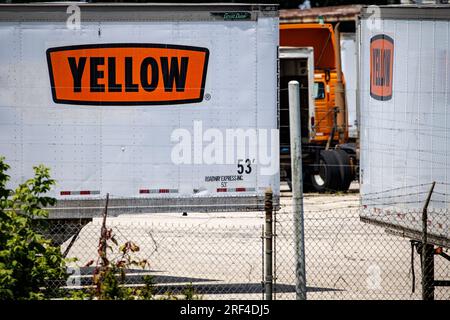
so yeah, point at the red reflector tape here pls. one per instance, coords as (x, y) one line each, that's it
(235, 189)
(145, 191)
(79, 193)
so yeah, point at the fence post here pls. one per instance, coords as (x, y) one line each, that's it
(427, 254)
(268, 208)
(263, 285)
(102, 246)
(297, 187)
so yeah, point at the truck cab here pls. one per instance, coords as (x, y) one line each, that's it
(324, 102)
(307, 54)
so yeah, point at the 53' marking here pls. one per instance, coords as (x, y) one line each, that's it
(244, 167)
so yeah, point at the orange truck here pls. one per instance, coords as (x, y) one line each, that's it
(310, 54)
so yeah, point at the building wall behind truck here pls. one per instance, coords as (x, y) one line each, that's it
(125, 149)
(405, 138)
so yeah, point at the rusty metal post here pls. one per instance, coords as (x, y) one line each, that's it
(102, 246)
(427, 254)
(262, 263)
(274, 255)
(268, 281)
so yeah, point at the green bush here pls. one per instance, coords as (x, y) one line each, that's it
(28, 261)
(32, 268)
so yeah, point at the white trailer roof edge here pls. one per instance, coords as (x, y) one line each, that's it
(423, 12)
(132, 11)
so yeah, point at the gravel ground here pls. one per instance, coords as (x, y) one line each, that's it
(221, 253)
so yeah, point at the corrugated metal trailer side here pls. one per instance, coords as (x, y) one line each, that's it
(209, 69)
(405, 118)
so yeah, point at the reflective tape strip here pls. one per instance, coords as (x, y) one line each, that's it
(144, 191)
(405, 216)
(235, 189)
(79, 193)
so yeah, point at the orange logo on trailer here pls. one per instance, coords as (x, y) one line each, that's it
(127, 74)
(381, 66)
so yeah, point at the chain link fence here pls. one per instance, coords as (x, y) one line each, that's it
(349, 259)
(221, 261)
(221, 255)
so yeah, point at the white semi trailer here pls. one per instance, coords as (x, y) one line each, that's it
(164, 107)
(404, 95)
(349, 61)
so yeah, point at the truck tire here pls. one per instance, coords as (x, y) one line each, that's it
(328, 177)
(345, 169)
(289, 182)
(307, 187)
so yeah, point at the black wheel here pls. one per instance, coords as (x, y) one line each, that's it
(307, 187)
(288, 178)
(345, 169)
(327, 177)
(289, 182)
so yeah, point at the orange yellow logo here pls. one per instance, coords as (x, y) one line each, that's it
(127, 74)
(381, 67)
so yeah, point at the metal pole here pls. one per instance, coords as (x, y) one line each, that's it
(341, 119)
(102, 247)
(268, 237)
(263, 285)
(427, 254)
(274, 255)
(297, 187)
